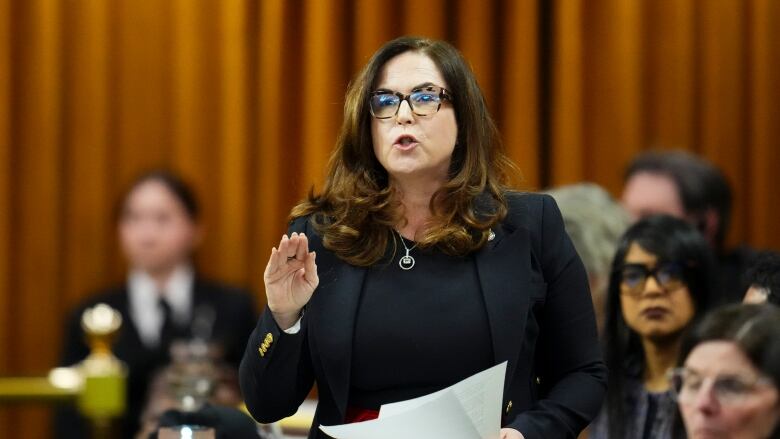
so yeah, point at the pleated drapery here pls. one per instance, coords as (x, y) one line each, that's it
(244, 99)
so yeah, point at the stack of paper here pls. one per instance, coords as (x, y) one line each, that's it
(470, 409)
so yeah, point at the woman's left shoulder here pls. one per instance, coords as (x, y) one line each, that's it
(527, 209)
(518, 199)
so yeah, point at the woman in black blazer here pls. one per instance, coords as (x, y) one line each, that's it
(417, 267)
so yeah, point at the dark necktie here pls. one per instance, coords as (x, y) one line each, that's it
(168, 330)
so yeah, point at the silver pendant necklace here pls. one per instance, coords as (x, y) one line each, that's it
(406, 262)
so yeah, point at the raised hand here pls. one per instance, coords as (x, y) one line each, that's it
(290, 278)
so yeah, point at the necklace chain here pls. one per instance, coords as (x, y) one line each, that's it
(406, 262)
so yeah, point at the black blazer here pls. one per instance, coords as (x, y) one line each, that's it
(540, 315)
(234, 318)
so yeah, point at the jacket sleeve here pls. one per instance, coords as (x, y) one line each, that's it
(275, 372)
(568, 355)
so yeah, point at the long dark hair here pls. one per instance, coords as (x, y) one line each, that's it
(357, 210)
(670, 240)
(755, 329)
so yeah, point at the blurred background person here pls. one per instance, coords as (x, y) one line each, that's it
(763, 279)
(595, 222)
(727, 385)
(163, 299)
(686, 186)
(660, 283)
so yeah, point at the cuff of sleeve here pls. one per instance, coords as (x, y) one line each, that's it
(296, 328)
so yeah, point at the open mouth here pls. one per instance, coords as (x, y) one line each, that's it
(406, 142)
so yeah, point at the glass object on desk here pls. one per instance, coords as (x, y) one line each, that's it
(186, 432)
(192, 374)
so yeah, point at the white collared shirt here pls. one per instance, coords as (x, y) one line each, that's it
(144, 295)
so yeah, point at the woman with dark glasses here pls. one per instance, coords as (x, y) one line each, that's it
(727, 384)
(660, 283)
(416, 266)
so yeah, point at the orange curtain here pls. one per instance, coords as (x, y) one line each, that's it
(244, 98)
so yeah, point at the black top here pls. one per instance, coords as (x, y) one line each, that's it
(441, 298)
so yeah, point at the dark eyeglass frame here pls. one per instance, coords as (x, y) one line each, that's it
(443, 95)
(728, 389)
(668, 284)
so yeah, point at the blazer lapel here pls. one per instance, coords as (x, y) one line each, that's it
(502, 268)
(333, 307)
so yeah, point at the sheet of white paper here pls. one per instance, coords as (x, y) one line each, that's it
(480, 396)
(439, 417)
(469, 409)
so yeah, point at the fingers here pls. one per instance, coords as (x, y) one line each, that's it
(295, 246)
(292, 252)
(291, 274)
(273, 262)
(303, 248)
(285, 245)
(310, 270)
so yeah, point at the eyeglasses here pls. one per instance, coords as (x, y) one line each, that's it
(423, 101)
(727, 389)
(670, 276)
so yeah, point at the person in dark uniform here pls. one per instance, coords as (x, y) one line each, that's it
(163, 299)
(417, 267)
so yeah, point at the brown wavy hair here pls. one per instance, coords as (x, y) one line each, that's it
(357, 210)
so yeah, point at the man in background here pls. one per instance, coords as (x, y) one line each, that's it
(681, 184)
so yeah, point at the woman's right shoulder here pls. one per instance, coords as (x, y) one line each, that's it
(298, 224)
(306, 224)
